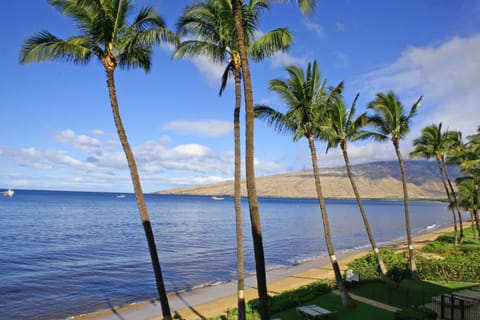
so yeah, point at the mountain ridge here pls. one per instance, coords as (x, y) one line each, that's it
(375, 180)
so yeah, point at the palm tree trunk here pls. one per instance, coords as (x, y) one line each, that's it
(250, 167)
(381, 264)
(454, 195)
(238, 199)
(411, 253)
(142, 207)
(449, 196)
(347, 301)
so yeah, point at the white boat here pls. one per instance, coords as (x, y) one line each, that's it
(121, 196)
(9, 193)
(217, 198)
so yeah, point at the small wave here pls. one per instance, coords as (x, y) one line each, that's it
(431, 226)
(210, 284)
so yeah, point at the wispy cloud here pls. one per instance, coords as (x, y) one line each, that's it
(206, 128)
(447, 77)
(316, 28)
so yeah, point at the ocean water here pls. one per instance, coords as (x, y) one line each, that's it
(67, 253)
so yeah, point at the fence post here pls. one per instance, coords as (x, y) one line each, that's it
(452, 307)
(442, 307)
(462, 309)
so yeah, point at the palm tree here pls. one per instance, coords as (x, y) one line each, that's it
(106, 35)
(305, 6)
(467, 155)
(342, 127)
(469, 199)
(435, 143)
(214, 35)
(307, 100)
(392, 122)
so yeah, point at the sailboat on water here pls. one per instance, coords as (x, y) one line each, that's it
(8, 193)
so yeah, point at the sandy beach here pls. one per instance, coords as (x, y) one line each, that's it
(216, 300)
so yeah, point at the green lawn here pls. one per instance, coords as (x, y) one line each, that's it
(409, 293)
(332, 302)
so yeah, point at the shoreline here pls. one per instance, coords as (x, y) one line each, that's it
(215, 300)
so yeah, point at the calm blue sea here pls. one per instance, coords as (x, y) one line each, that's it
(67, 253)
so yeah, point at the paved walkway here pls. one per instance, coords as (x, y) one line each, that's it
(371, 302)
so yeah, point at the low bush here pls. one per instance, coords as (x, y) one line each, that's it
(293, 298)
(461, 267)
(367, 266)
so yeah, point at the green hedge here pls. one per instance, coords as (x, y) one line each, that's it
(293, 298)
(462, 267)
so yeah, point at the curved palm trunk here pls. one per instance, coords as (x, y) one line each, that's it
(142, 207)
(347, 301)
(238, 199)
(454, 195)
(411, 253)
(449, 196)
(250, 167)
(381, 264)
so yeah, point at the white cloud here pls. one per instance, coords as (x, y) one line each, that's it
(80, 142)
(316, 28)
(206, 128)
(282, 59)
(447, 77)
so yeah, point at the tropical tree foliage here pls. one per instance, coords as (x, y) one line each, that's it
(434, 143)
(106, 35)
(212, 33)
(468, 156)
(392, 122)
(342, 127)
(307, 98)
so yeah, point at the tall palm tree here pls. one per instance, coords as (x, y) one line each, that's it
(392, 122)
(106, 35)
(307, 99)
(433, 143)
(305, 6)
(210, 23)
(342, 126)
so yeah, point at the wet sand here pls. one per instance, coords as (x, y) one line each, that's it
(217, 300)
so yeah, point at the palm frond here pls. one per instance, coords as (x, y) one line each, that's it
(45, 46)
(270, 43)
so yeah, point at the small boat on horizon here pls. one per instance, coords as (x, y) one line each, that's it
(8, 193)
(217, 198)
(121, 196)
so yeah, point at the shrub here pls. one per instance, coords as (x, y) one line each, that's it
(461, 267)
(293, 298)
(420, 313)
(367, 266)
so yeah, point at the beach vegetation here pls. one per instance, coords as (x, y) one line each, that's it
(467, 155)
(435, 143)
(305, 6)
(307, 98)
(341, 127)
(392, 122)
(105, 34)
(210, 32)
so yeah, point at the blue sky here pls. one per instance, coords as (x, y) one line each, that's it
(57, 130)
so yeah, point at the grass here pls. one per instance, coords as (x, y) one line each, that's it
(332, 302)
(410, 293)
